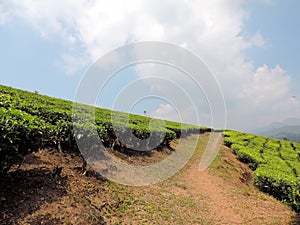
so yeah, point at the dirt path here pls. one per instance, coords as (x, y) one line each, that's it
(223, 194)
(230, 199)
(211, 151)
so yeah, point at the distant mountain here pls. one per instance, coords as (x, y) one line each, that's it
(289, 128)
(290, 132)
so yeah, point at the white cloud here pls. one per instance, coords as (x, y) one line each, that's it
(101, 25)
(186, 115)
(212, 29)
(264, 98)
(164, 109)
(70, 64)
(258, 40)
(4, 14)
(266, 87)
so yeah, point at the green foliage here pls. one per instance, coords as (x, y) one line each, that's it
(276, 164)
(30, 121)
(21, 133)
(248, 155)
(272, 144)
(231, 137)
(280, 183)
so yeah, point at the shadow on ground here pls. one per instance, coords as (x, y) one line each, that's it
(295, 220)
(23, 192)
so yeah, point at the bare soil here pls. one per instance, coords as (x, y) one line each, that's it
(49, 188)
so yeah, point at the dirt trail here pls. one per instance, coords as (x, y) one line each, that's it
(232, 199)
(211, 150)
(223, 207)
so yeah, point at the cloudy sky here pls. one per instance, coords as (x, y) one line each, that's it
(251, 47)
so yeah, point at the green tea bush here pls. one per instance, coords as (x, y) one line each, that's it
(30, 121)
(276, 164)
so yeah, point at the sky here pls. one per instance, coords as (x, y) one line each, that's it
(252, 49)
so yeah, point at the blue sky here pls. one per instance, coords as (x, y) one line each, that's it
(28, 61)
(277, 22)
(252, 47)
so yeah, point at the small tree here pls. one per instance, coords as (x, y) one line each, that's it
(285, 139)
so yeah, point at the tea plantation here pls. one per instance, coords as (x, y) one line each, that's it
(276, 164)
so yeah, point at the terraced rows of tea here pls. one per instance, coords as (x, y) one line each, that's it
(276, 164)
(30, 121)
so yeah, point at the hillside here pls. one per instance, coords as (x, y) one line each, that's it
(30, 121)
(45, 180)
(286, 129)
(37, 194)
(291, 133)
(276, 164)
